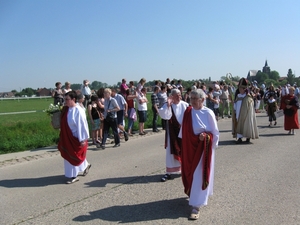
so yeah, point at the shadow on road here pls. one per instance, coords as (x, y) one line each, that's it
(60, 179)
(33, 182)
(225, 131)
(128, 180)
(227, 142)
(165, 209)
(272, 135)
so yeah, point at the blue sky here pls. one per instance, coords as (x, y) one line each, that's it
(45, 41)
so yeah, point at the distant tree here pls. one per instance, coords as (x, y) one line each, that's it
(28, 91)
(105, 85)
(290, 77)
(236, 78)
(14, 91)
(282, 83)
(119, 84)
(75, 87)
(95, 85)
(274, 75)
(268, 82)
(188, 83)
(261, 77)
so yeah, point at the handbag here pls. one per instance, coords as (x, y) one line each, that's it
(133, 115)
(110, 115)
(279, 113)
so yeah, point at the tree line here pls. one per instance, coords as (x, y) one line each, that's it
(267, 79)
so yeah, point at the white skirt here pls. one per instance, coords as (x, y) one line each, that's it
(257, 104)
(72, 171)
(199, 197)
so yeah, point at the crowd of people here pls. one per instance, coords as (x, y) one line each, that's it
(190, 120)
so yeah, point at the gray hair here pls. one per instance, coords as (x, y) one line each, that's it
(175, 91)
(198, 93)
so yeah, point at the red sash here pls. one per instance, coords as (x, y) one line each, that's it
(192, 151)
(68, 145)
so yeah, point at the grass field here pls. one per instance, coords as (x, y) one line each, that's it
(15, 105)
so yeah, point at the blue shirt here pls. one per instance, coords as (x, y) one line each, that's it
(120, 100)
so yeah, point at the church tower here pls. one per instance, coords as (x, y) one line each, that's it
(266, 68)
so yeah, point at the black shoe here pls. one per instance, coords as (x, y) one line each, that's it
(156, 130)
(116, 145)
(166, 177)
(248, 140)
(126, 136)
(102, 146)
(229, 117)
(239, 141)
(275, 123)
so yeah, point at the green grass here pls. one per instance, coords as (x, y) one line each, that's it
(25, 132)
(15, 105)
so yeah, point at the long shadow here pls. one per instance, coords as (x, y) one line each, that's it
(33, 182)
(233, 142)
(267, 126)
(128, 180)
(225, 131)
(272, 135)
(227, 142)
(60, 179)
(164, 209)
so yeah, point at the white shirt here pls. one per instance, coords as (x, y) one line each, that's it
(142, 106)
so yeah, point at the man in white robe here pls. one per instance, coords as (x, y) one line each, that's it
(173, 111)
(200, 137)
(73, 139)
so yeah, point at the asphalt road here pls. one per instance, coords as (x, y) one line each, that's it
(256, 183)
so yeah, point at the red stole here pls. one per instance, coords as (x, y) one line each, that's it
(69, 146)
(192, 151)
(175, 141)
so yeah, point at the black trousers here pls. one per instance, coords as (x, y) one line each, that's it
(108, 123)
(154, 120)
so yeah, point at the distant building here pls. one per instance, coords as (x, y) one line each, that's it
(282, 79)
(252, 73)
(43, 92)
(7, 95)
(266, 68)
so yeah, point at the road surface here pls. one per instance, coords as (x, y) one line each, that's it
(254, 184)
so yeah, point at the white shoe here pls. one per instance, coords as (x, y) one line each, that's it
(72, 180)
(194, 214)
